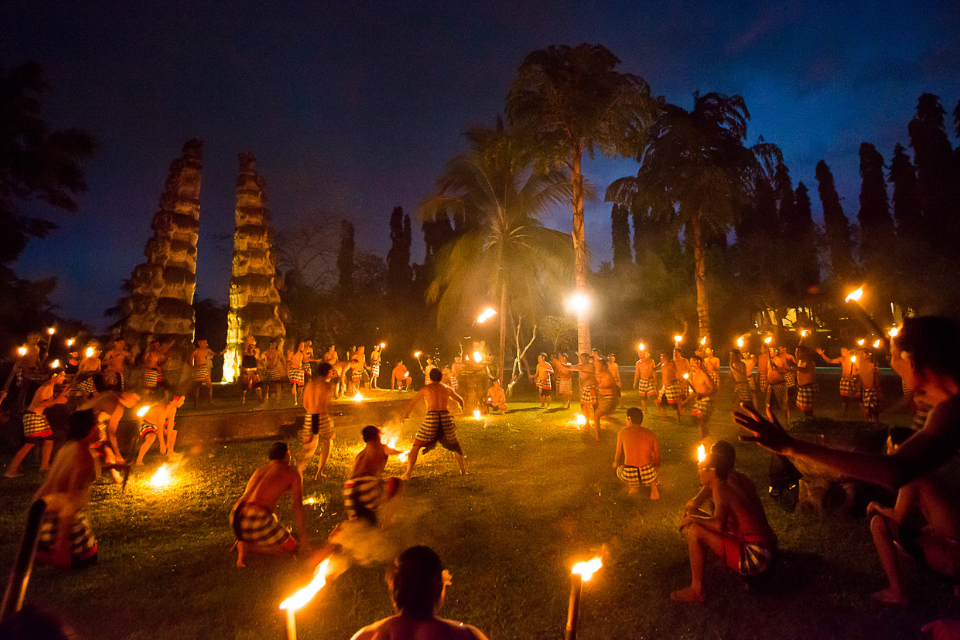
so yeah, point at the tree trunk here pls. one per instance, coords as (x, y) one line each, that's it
(700, 277)
(581, 267)
(503, 331)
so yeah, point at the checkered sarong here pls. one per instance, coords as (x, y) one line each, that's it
(608, 403)
(647, 387)
(703, 407)
(35, 425)
(146, 428)
(201, 372)
(742, 390)
(273, 374)
(149, 378)
(86, 387)
(362, 496)
(755, 556)
(635, 476)
(715, 379)
(807, 395)
(763, 382)
(565, 386)
(850, 386)
(777, 392)
(673, 392)
(903, 385)
(588, 394)
(791, 379)
(253, 523)
(375, 372)
(544, 385)
(871, 401)
(296, 376)
(83, 545)
(316, 424)
(437, 426)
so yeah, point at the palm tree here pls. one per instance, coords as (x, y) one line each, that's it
(570, 100)
(696, 164)
(506, 253)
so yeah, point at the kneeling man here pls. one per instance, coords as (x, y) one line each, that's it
(638, 455)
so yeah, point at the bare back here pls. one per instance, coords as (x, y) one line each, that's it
(269, 483)
(640, 446)
(316, 396)
(400, 627)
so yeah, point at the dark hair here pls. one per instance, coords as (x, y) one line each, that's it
(737, 353)
(416, 582)
(80, 423)
(370, 433)
(635, 415)
(934, 344)
(721, 463)
(898, 435)
(725, 449)
(323, 369)
(278, 451)
(665, 353)
(436, 375)
(696, 359)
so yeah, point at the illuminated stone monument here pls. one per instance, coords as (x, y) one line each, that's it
(254, 299)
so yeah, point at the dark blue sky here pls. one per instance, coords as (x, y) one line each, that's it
(352, 110)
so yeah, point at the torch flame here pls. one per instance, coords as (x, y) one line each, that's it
(22, 351)
(55, 364)
(588, 568)
(51, 330)
(476, 413)
(804, 333)
(686, 376)
(701, 453)
(893, 332)
(678, 338)
(477, 356)
(416, 354)
(580, 419)
(703, 340)
(383, 345)
(162, 477)
(142, 411)
(853, 358)
(89, 352)
(876, 344)
(768, 340)
(305, 595)
(855, 296)
(641, 347)
(71, 341)
(740, 342)
(358, 397)
(860, 342)
(488, 313)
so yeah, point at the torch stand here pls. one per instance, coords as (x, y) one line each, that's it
(573, 613)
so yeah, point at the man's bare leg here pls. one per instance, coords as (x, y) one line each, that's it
(45, 452)
(12, 469)
(324, 454)
(887, 551)
(699, 539)
(147, 443)
(244, 548)
(654, 492)
(306, 453)
(172, 456)
(411, 462)
(459, 457)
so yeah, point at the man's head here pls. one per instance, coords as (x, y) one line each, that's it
(436, 375)
(635, 416)
(81, 424)
(736, 355)
(925, 348)
(278, 451)
(678, 352)
(496, 383)
(725, 451)
(696, 362)
(324, 369)
(584, 358)
(370, 433)
(273, 344)
(457, 359)
(58, 376)
(708, 351)
(664, 356)
(201, 343)
(416, 582)
(715, 464)
(541, 357)
(611, 358)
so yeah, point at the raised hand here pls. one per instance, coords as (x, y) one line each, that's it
(767, 433)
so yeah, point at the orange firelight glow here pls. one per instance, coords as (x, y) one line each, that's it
(22, 351)
(161, 478)
(488, 313)
(383, 345)
(587, 569)
(55, 364)
(142, 411)
(416, 354)
(703, 340)
(641, 347)
(580, 419)
(804, 333)
(51, 330)
(861, 341)
(855, 296)
(89, 352)
(768, 340)
(740, 342)
(71, 341)
(358, 397)
(305, 595)
(477, 356)
(476, 414)
(893, 332)
(701, 453)
(678, 338)
(853, 358)
(876, 344)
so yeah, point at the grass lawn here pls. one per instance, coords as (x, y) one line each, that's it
(537, 497)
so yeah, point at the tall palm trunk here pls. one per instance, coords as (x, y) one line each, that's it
(700, 277)
(501, 365)
(579, 249)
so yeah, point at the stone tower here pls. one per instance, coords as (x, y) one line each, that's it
(254, 300)
(160, 303)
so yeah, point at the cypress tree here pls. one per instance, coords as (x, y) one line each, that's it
(345, 259)
(783, 190)
(906, 196)
(806, 240)
(620, 228)
(399, 273)
(876, 225)
(835, 224)
(936, 173)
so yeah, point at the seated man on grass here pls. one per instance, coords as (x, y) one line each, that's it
(417, 584)
(937, 545)
(495, 398)
(252, 519)
(737, 531)
(740, 481)
(638, 455)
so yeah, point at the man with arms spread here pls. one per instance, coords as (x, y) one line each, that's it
(438, 424)
(561, 369)
(849, 378)
(645, 377)
(366, 491)
(36, 427)
(608, 391)
(737, 531)
(252, 519)
(586, 371)
(317, 423)
(417, 587)
(638, 455)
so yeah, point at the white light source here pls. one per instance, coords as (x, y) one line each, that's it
(578, 303)
(488, 313)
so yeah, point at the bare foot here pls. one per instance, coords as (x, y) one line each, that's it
(632, 491)
(321, 473)
(406, 477)
(687, 595)
(888, 596)
(175, 457)
(654, 492)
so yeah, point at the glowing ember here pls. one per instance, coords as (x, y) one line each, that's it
(89, 352)
(893, 332)
(641, 347)
(22, 351)
(416, 354)
(860, 342)
(55, 364)
(486, 315)
(305, 595)
(161, 478)
(768, 340)
(701, 453)
(142, 411)
(580, 419)
(51, 330)
(853, 358)
(855, 296)
(383, 345)
(358, 397)
(686, 376)
(678, 338)
(703, 340)
(71, 341)
(587, 569)
(476, 413)
(740, 342)
(804, 333)
(477, 356)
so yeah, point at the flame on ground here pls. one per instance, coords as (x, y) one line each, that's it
(476, 414)
(588, 568)
(580, 419)
(305, 595)
(701, 453)
(358, 397)
(162, 477)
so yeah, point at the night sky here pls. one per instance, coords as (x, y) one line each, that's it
(352, 110)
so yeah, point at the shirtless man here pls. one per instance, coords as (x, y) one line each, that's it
(358, 364)
(159, 423)
(108, 408)
(66, 491)
(608, 392)
(614, 369)
(738, 480)
(937, 544)
(737, 531)
(90, 366)
(849, 377)
(672, 392)
(272, 371)
(808, 389)
(763, 369)
(366, 490)
(561, 369)
(645, 377)
(152, 375)
(375, 358)
(750, 362)
(542, 379)
(417, 587)
(711, 365)
(495, 398)
(683, 367)
(738, 371)
(400, 378)
(249, 369)
(308, 359)
(36, 427)
(870, 384)
(201, 371)
(330, 356)
(777, 385)
(703, 395)
(317, 423)
(586, 371)
(114, 362)
(295, 370)
(437, 425)
(638, 455)
(252, 518)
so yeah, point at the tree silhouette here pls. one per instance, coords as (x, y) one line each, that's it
(572, 100)
(620, 228)
(836, 227)
(907, 209)
(936, 174)
(876, 225)
(345, 262)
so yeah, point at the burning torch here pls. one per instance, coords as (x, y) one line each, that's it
(582, 572)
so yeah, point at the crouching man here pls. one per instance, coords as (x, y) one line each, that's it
(637, 460)
(737, 531)
(252, 519)
(366, 490)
